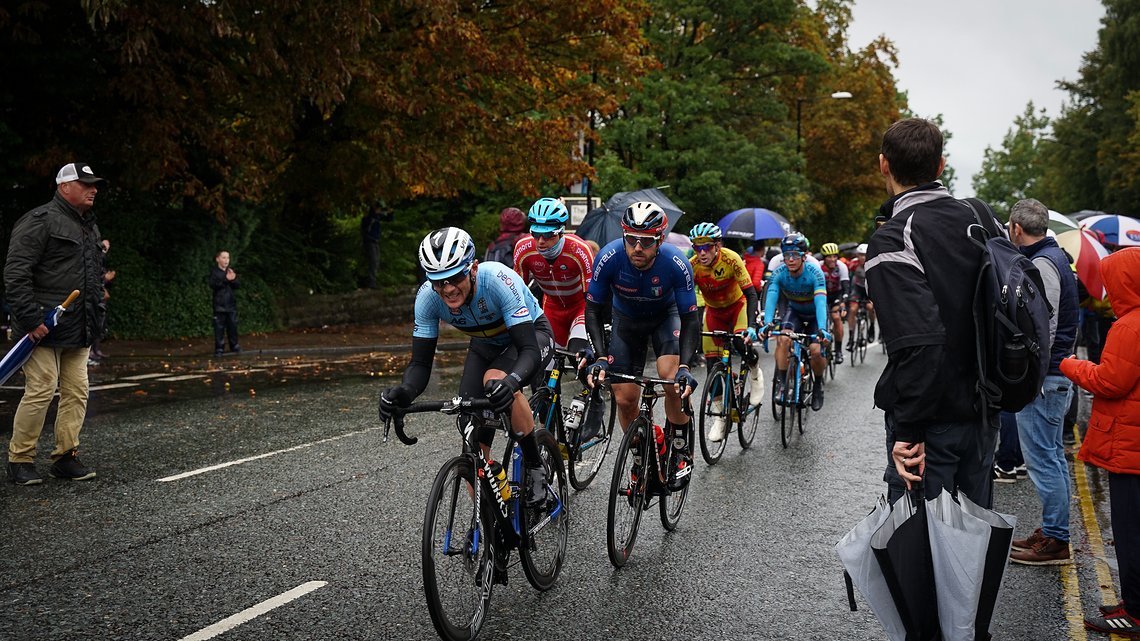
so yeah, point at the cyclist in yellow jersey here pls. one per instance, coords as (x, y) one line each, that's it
(730, 302)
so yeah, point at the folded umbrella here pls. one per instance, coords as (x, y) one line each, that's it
(902, 547)
(22, 350)
(997, 561)
(958, 544)
(863, 570)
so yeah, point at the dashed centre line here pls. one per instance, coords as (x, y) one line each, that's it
(251, 613)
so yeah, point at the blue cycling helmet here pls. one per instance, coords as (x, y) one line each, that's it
(794, 242)
(547, 215)
(704, 231)
(446, 252)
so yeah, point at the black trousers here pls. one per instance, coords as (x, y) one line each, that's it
(1124, 501)
(225, 323)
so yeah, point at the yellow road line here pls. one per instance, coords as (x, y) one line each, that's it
(1096, 543)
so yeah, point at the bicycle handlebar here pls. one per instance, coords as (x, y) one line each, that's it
(450, 406)
(643, 381)
(784, 332)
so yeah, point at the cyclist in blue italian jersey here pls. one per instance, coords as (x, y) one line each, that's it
(511, 340)
(803, 286)
(649, 288)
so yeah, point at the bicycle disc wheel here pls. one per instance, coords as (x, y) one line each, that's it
(546, 528)
(791, 401)
(457, 553)
(749, 417)
(586, 458)
(673, 503)
(717, 391)
(627, 497)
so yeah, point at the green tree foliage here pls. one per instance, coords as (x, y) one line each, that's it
(1012, 172)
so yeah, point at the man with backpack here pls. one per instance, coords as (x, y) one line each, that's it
(512, 225)
(922, 270)
(1040, 424)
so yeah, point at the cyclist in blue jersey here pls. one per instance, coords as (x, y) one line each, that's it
(805, 289)
(511, 340)
(649, 289)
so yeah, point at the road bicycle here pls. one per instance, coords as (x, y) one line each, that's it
(475, 516)
(583, 455)
(859, 338)
(799, 384)
(641, 472)
(727, 396)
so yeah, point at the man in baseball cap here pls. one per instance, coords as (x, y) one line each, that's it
(80, 171)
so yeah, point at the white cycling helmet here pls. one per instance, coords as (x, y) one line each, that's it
(446, 252)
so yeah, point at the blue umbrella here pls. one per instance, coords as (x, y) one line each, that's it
(603, 225)
(754, 223)
(18, 355)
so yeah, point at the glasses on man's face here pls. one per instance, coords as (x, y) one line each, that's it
(793, 255)
(545, 235)
(648, 242)
(454, 281)
(704, 248)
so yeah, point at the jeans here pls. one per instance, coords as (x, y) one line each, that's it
(1039, 426)
(1009, 446)
(959, 458)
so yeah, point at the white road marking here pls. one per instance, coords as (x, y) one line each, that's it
(302, 365)
(178, 477)
(249, 614)
(184, 377)
(112, 386)
(143, 377)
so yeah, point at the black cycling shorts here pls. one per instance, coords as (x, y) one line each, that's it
(630, 337)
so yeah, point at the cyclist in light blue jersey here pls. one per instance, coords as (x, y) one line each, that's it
(511, 340)
(805, 289)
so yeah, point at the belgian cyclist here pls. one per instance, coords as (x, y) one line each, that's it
(859, 293)
(730, 304)
(561, 265)
(838, 291)
(510, 340)
(802, 284)
(649, 288)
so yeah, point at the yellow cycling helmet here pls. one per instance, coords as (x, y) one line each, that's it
(830, 249)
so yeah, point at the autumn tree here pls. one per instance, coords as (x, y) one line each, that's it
(1011, 173)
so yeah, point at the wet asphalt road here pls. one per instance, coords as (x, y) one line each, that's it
(323, 499)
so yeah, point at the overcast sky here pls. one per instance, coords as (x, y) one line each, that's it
(979, 62)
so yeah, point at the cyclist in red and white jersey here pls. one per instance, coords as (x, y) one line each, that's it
(856, 267)
(838, 281)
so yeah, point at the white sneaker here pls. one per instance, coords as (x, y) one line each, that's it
(757, 390)
(716, 432)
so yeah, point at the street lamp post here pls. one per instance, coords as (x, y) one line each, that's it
(838, 95)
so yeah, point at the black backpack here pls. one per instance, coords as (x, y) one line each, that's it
(1011, 317)
(502, 251)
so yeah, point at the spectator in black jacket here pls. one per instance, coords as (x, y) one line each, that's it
(55, 250)
(921, 272)
(224, 281)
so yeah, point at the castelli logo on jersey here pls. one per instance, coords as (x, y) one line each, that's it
(1133, 235)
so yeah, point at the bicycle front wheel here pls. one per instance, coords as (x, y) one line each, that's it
(546, 528)
(750, 415)
(457, 553)
(587, 456)
(716, 399)
(775, 400)
(627, 491)
(791, 400)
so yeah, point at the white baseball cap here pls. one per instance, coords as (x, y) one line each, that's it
(80, 171)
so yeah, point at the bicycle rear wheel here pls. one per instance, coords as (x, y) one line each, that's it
(545, 529)
(673, 503)
(627, 495)
(750, 415)
(457, 553)
(716, 392)
(586, 457)
(791, 400)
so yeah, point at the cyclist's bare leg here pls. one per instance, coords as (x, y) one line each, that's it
(667, 367)
(783, 344)
(837, 325)
(870, 311)
(627, 397)
(852, 310)
(818, 364)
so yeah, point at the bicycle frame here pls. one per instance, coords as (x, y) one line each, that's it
(800, 352)
(731, 342)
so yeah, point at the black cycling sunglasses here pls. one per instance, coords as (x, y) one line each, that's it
(453, 280)
(647, 242)
(545, 235)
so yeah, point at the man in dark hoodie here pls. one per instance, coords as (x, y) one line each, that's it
(921, 271)
(512, 225)
(55, 249)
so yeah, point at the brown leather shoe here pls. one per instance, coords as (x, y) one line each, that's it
(1028, 543)
(1048, 551)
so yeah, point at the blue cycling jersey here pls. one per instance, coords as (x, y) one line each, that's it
(500, 302)
(804, 293)
(642, 294)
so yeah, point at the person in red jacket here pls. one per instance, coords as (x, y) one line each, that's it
(1113, 439)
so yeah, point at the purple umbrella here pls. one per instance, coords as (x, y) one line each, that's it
(18, 355)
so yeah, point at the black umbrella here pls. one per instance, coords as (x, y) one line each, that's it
(846, 247)
(902, 547)
(603, 225)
